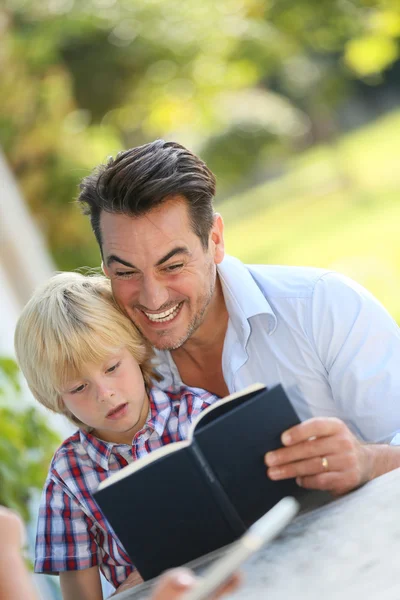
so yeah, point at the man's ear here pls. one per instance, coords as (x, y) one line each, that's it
(217, 239)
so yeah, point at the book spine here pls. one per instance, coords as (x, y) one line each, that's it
(228, 510)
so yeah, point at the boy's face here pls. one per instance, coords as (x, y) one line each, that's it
(110, 397)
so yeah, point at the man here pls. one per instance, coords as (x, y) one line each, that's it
(221, 325)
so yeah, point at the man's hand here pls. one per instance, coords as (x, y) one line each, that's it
(323, 454)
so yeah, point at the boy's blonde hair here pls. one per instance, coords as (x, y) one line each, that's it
(70, 321)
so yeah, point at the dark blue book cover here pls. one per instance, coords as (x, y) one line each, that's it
(192, 497)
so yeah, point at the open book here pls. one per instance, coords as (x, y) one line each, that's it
(191, 497)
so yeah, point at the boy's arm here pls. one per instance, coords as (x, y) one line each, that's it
(81, 585)
(131, 581)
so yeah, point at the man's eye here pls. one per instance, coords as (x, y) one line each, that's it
(172, 268)
(124, 274)
(113, 368)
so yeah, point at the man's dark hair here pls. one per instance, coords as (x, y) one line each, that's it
(141, 178)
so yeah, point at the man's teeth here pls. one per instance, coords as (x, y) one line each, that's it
(167, 315)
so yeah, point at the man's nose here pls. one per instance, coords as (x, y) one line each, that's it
(153, 293)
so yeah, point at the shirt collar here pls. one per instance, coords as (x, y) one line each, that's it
(162, 402)
(243, 298)
(160, 409)
(97, 450)
(161, 405)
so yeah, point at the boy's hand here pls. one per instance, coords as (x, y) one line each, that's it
(323, 454)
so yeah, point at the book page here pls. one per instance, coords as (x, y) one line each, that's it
(143, 462)
(255, 387)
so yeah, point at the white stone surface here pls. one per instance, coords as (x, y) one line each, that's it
(346, 550)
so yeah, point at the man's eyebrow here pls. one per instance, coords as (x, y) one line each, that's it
(114, 258)
(178, 250)
(171, 253)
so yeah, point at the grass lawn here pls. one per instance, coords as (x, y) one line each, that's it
(337, 207)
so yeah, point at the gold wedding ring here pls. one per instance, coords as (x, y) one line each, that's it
(324, 463)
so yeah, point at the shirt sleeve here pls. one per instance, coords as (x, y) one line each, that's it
(65, 539)
(358, 343)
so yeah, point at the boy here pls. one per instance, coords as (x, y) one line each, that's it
(82, 357)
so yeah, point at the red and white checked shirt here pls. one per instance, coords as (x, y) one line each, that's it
(72, 532)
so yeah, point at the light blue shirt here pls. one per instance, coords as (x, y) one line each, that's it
(326, 339)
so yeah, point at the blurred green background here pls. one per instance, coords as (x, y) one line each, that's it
(293, 104)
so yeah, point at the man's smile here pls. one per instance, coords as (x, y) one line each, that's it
(163, 317)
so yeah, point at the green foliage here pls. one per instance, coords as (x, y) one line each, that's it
(26, 443)
(81, 80)
(337, 207)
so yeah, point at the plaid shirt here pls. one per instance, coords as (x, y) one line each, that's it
(72, 532)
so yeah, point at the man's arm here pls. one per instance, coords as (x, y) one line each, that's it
(358, 344)
(81, 585)
(322, 453)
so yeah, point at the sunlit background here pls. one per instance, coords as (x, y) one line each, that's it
(295, 105)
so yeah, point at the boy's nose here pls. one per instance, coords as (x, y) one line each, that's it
(104, 393)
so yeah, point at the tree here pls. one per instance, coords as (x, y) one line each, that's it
(27, 443)
(244, 82)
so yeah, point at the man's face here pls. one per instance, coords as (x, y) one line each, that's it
(161, 275)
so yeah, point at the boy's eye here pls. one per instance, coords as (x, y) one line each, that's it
(78, 389)
(114, 367)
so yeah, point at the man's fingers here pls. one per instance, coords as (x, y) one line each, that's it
(322, 453)
(316, 427)
(313, 466)
(335, 444)
(337, 483)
